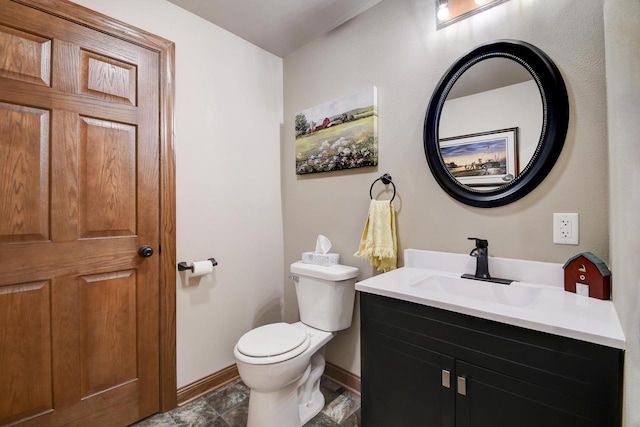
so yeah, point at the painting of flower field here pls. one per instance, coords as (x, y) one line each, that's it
(340, 134)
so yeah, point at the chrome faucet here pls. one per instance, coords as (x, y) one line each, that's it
(481, 254)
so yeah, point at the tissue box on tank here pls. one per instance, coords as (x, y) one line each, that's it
(320, 259)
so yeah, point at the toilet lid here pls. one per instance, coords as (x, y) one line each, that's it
(271, 340)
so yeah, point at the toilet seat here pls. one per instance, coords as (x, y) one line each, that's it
(272, 343)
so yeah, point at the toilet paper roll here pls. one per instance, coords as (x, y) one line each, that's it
(200, 268)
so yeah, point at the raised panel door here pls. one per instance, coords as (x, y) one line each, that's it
(79, 194)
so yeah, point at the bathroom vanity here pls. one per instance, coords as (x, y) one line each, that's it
(438, 350)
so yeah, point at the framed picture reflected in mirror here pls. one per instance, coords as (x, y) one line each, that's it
(487, 159)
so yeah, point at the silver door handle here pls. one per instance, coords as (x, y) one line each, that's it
(462, 386)
(446, 378)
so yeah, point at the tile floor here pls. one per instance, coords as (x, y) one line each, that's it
(227, 407)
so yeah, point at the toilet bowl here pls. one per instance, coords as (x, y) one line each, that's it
(282, 363)
(274, 380)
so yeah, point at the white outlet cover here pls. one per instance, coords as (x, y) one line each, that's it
(566, 228)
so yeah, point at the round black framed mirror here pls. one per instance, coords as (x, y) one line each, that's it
(496, 123)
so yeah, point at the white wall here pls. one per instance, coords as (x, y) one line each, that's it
(228, 115)
(622, 32)
(396, 47)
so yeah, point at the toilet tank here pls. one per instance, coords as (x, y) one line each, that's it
(325, 295)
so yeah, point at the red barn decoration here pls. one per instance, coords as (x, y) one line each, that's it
(588, 275)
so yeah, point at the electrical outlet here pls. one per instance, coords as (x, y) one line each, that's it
(566, 228)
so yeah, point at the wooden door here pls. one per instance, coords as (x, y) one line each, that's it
(79, 195)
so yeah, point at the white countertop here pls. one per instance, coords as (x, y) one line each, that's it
(542, 306)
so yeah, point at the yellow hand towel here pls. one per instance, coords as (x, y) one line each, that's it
(379, 243)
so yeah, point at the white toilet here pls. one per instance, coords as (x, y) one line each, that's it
(282, 363)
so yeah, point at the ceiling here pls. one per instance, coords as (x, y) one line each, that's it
(278, 26)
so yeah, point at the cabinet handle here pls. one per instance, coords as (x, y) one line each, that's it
(446, 378)
(462, 386)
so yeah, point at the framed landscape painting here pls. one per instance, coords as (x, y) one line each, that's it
(482, 159)
(340, 134)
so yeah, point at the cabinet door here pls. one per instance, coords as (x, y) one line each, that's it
(405, 385)
(486, 398)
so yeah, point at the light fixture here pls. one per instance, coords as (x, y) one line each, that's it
(452, 11)
(443, 9)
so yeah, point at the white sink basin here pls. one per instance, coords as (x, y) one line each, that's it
(536, 301)
(513, 295)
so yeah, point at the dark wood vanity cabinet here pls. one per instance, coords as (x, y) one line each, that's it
(428, 367)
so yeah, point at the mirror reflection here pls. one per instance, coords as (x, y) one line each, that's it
(491, 124)
(492, 132)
